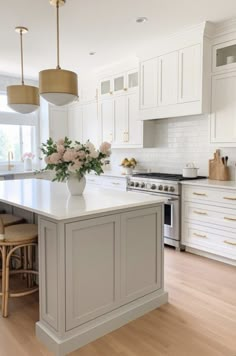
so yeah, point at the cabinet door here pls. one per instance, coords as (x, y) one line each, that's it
(223, 113)
(168, 78)
(132, 80)
(141, 252)
(106, 88)
(92, 269)
(119, 83)
(120, 120)
(75, 122)
(58, 122)
(135, 126)
(107, 119)
(148, 84)
(190, 74)
(90, 123)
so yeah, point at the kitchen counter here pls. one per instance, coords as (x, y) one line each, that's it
(51, 199)
(100, 258)
(211, 183)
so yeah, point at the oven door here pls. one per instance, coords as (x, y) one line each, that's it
(171, 216)
(171, 219)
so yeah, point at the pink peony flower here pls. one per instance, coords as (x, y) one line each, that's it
(90, 146)
(105, 148)
(47, 159)
(94, 154)
(60, 149)
(81, 154)
(54, 158)
(74, 167)
(60, 142)
(70, 155)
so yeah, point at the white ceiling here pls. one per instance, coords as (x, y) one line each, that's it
(105, 26)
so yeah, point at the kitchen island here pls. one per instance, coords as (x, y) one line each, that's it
(100, 258)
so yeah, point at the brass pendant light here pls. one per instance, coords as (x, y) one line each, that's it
(22, 98)
(58, 86)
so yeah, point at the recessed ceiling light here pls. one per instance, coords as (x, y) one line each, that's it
(92, 53)
(141, 19)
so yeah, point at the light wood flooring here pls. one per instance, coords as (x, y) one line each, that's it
(199, 320)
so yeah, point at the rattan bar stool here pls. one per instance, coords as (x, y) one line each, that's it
(15, 237)
(9, 219)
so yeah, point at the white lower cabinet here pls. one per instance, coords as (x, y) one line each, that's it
(117, 258)
(209, 220)
(117, 183)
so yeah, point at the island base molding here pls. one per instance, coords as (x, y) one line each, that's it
(100, 326)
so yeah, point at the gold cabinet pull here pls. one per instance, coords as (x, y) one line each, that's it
(201, 194)
(125, 136)
(230, 243)
(111, 137)
(229, 198)
(229, 219)
(200, 212)
(115, 183)
(199, 235)
(125, 89)
(111, 92)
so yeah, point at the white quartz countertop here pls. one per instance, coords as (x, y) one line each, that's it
(211, 183)
(52, 199)
(13, 173)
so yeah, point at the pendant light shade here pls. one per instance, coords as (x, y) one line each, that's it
(23, 99)
(58, 86)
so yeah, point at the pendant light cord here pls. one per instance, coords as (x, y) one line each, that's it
(22, 59)
(58, 38)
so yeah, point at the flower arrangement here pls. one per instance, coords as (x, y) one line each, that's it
(129, 163)
(66, 157)
(28, 155)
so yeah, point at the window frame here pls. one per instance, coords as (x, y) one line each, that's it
(14, 118)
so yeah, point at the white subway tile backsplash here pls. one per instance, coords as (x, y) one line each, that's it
(180, 140)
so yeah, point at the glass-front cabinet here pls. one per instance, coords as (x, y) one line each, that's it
(224, 56)
(119, 84)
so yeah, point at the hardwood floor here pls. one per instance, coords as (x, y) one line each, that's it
(199, 320)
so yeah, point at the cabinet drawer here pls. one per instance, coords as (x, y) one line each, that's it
(212, 240)
(210, 214)
(114, 183)
(222, 196)
(94, 180)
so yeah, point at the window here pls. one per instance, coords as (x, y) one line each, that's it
(17, 132)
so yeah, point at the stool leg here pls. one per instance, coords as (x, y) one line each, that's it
(3, 278)
(8, 260)
(30, 266)
(25, 260)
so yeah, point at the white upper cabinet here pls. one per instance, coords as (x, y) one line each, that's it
(134, 135)
(223, 110)
(75, 122)
(224, 56)
(175, 79)
(120, 120)
(106, 113)
(58, 122)
(148, 84)
(190, 78)
(118, 84)
(168, 79)
(90, 123)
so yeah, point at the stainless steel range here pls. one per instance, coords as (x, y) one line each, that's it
(167, 185)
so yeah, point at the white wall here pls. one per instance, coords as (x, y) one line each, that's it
(180, 140)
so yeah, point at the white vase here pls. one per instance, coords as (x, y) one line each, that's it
(128, 170)
(28, 164)
(75, 185)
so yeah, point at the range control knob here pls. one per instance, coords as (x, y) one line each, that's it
(136, 184)
(171, 189)
(142, 185)
(153, 186)
(166, 188)
(160, 187)
(131, 184)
